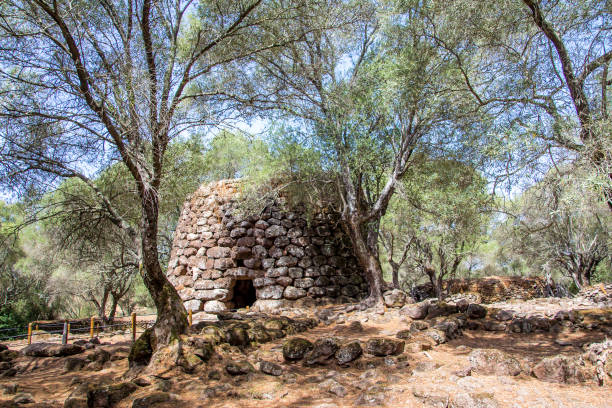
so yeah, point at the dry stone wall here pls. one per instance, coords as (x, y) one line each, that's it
(220, 261)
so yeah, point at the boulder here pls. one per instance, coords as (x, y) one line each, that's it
(493, 362)
(382, 346)
(107, 396)
(438, 336)
(239, 367)
(416, 311)
(475, 311)
(296, 348)
(270, 368)
(51, 350)
(23, 398)
(74, 364)
(559, 369)
(237, 335)
(440, 309)
(324, 349)
(394, 298)
(151, 400)
(99, 356)
(451, 328)
(348, 352)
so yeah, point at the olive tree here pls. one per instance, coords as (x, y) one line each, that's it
(542, 68)
(445, 211)
(560, 224)
(365, 96)
(87, 83)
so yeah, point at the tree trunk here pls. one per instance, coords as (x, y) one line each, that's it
(395, 274)
(368, 260)
(171, 314)
(435, 282)
(102, 306)
(113, 309)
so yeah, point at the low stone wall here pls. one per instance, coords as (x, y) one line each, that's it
(491, 288)
(220, 260)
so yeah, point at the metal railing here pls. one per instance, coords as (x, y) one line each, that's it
(76, 329)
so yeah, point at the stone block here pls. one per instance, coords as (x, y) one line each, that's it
(218, 252)
(214, 306)
(246, 242)
(293, 293)
(213, 294)
(211, 274)
(259, 251)
(284, 281)
(304, 283)
(295, 251)
(287, 261)
(193, 305)
(252, 263)
(242, 252)
(277, 272)
(238, 232)
(275, 230)
(224, 263)
(270, 292)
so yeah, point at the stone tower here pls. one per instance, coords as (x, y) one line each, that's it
(267, 261)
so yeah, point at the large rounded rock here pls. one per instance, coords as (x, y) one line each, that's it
(109, 395)
(51, 350)
(296, 348)
(151, 400)
(394, 298)
(493, 362)
(475, 311)
(237, 335)
(239, 368)
(348, 352)
(440, 309)
(416, 311)
(382, 346)
(559, 369)
(270, 368)
(324, 349)
(212, 334)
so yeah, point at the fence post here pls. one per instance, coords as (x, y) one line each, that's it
(134, 326)
(190, 317)
(29, 333)
(65, 333)
(91, 327)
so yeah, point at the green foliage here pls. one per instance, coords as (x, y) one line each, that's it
(561, 226)
(440, 217)
(23, 281)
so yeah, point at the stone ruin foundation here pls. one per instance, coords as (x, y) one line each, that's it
(275, 259)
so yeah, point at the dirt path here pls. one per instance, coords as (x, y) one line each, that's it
(429, 378)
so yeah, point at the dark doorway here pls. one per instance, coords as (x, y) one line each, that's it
(244, 293)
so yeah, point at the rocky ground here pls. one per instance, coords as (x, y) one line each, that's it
(429, 354)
